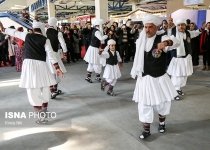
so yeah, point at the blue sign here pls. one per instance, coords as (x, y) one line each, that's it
(193, 2)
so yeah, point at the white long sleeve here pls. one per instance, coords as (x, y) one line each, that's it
(100, 37)
(50, 52)
(176, 42)
(15, 33)
(118, 57)
(62, 42)
(194, 33)
(160, 32)
(105, 55)
(133, 30)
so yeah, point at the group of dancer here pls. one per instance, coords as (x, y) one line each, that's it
(154, 88)
(42, 67)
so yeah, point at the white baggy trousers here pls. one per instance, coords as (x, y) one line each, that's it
(37, 96)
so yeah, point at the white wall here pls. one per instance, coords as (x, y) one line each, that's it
(7, 22)
(185, 14)
(208, 16)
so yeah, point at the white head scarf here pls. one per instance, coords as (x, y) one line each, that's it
(180, 51)
(111, 41)
(99, 23)
(138, 65)
(40, 25)
(53, 22)
(180, 21)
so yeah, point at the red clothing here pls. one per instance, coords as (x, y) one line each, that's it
(203, 41)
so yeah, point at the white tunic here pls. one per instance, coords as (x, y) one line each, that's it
(182, 66)
(154, 91)
(111, 71)
(35, 73)
(57, 54)
(91, 55)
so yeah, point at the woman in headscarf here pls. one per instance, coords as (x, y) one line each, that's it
(19, 52)
(76, 44)
(195, 45)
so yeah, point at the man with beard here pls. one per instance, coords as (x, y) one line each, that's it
(181, 66)
(154, 89)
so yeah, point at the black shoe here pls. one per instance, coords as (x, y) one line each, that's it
(144, 135)
(68, 62)
(177, 98)
(98, 79)
(180, 92)
(74, 61)
(161, 128)
(111, 93)
(88, 79)
(58, 92)
(86, 63)
(53, 95)
(12, 65)
(42, 117)
(102, 85)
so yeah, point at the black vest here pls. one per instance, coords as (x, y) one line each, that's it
(95, 42)
(154, 67)
(112, 60)
(187, 44)
(35, 47)
(52, 35)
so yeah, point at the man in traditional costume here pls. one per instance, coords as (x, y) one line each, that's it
(55, 38)
(112, 70)
(181, 65)
(35, 76)
(154, 89)
(91, 55)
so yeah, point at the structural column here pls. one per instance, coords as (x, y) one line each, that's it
(207, 15)
(133, 6)
(101, 9)
(32, 14)
(51, 9)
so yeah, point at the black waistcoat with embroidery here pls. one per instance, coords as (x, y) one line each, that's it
(154, 67)
(187, 44)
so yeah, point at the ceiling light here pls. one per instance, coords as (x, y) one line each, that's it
(80, 3)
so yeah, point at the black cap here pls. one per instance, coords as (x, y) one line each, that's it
(12, 27)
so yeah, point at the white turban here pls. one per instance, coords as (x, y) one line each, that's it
(99, 22)
(52, 22)
(180, 51)
(40, 25)
(152, 19)
(180, 21)
(111, 42)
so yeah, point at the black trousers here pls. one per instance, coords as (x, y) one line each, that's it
(124, 50)
(12, 60)
(3, 55)
(132, 50)
(70, 54)
(206, 58)
(87, 45)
